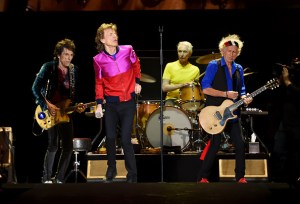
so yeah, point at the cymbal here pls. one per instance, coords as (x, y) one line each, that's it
(205, 59)
(248, 73)
(147, 78)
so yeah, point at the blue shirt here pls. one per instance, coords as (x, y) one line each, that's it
(211, 70)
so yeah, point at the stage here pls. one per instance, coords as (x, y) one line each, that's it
(173, 193)
(177, 167)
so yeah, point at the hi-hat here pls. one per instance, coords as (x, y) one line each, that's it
(147, 78)
(205, 59)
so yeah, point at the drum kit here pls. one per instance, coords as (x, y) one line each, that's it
(180, 121)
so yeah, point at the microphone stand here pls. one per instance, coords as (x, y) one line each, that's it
(161, 29)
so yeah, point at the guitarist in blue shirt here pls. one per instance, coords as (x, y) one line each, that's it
(224, 79)
(55, 88)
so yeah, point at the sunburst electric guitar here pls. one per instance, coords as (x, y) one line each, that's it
(46, 120)
(213, 119)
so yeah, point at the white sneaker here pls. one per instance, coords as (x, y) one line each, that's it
(48, 182)
(58, 182)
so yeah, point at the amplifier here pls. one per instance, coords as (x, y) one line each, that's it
(6, 139)
(96, 170)
(255, 169)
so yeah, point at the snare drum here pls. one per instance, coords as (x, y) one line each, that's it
(191, 97)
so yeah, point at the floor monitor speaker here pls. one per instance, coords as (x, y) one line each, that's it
(255, 169)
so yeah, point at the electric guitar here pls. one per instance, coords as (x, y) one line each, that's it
(213, 119)
(46, 120)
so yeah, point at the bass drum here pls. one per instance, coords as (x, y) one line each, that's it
(176, 126)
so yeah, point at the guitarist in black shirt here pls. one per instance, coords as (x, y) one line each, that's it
(224, 79)
(285, 158)
(54, 89)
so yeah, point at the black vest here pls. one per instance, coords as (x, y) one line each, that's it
(219, 83)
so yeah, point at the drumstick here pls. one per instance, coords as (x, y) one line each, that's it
(201, 74)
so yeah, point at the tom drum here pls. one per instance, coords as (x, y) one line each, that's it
(191, 97)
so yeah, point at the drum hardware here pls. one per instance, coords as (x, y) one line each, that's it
(194, 145)
(190, 146)
(250, 112)
(226, 144)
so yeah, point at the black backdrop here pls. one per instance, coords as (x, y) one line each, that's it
(27, 40)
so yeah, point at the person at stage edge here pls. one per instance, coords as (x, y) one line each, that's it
(224, 79)
(55, 87)
(286, 153)
(179, 74)
(117, 81)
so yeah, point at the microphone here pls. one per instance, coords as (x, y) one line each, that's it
(169, 128)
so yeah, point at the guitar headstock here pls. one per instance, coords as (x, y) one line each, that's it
(272, 84)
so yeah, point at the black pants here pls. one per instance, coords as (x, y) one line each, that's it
(285, 158)
(235, 132)
(122, 115)
(60, 135)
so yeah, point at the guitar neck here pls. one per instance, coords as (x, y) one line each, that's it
(241, 101)
(73, 108)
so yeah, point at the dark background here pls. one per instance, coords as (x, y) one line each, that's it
(27, 40)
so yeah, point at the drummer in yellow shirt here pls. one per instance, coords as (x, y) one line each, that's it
(180, 80)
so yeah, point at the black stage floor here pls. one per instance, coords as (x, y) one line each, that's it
(173, 193)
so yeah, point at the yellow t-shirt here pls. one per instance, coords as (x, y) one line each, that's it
(177, 74)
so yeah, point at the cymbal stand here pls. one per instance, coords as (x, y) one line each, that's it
(190, 146)
(199, 141)
(194, 145)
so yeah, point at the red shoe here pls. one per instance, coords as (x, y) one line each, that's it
(242, 180)
(203, 180)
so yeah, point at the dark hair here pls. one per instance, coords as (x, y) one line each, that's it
(65, 43)
(100, 34)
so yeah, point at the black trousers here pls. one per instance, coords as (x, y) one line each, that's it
(120, 115)
(235, 131)
(60, 135)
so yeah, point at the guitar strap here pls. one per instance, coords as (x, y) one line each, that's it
(237, 82)
(72, 80)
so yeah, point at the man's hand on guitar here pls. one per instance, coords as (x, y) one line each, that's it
(52, 108)
(80, 107)
(247, 99)
(232, 94)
